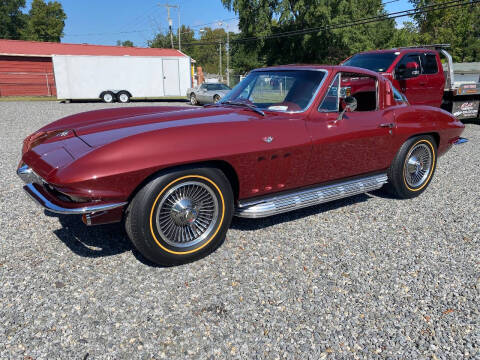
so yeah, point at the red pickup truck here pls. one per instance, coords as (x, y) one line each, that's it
(420, 75)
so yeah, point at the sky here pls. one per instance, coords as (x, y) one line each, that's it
(105, 22)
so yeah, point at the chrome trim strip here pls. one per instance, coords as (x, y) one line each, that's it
(28, 175)
(283, 203)
(47, 204)
(460, 140)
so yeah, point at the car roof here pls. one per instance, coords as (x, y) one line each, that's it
(399, 50)
(313, 67)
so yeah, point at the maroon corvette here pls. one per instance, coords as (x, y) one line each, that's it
(285, 138)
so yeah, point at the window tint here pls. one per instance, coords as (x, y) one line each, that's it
(429, 64)
(410, 58)
(378, 62)
(330, 101)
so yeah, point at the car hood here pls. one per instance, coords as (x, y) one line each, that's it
(100, 127)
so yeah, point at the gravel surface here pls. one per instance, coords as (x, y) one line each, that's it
(363, 278)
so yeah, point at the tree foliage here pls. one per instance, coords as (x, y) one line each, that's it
(12, 19)
(329, 45)
(126, 43)
(458, 26)
(45, 22)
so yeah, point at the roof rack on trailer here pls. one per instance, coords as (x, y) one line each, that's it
(434, 46)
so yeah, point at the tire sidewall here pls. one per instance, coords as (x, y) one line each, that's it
(119, 95)
(397, 175)
(193, 99)
(156, 248)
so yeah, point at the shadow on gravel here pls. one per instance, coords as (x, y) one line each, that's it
(91, 241)
(95, 241)
(255, 224)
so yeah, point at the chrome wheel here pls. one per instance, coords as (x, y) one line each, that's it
(216, 99)
(108, 98)
(187, 214)
(123, 98)
(193, 99)
(418, 165)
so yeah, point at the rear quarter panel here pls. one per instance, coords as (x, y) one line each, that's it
(419, 119)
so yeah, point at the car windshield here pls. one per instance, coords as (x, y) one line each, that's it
(280, 90)
(217, 87)
(378, 62)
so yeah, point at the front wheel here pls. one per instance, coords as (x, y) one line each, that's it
(216, 99)
(108, 97)
(180, 216)
(193, 99)
(413, 167)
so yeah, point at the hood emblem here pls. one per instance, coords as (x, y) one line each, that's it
(64, 133)
(268, 139)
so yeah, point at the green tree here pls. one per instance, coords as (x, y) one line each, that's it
(407, 35)
(12, 20)
(263, 18)
(126, 43)
(161, 40)
(208, 56)
(458, 26)
(45, 22)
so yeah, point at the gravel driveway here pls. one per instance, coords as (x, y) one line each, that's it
(366, 277)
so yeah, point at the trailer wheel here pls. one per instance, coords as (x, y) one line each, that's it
(123, 96)
(108, 97)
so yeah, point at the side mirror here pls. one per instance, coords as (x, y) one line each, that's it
(350, 105)
(408, 71)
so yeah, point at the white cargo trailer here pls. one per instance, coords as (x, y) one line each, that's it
(118, 78)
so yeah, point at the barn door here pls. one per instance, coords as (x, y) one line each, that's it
(171, 77)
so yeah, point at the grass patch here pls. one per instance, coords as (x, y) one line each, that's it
(28, 98)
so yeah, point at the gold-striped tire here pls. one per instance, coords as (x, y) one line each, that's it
(413, 167)
(180, 215)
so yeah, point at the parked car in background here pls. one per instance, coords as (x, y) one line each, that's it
(207, 93)
(418, 73)
(285, 138)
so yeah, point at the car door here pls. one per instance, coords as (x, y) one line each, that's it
(202, 93)
(360, 142)
(434, 79)
(414, 88)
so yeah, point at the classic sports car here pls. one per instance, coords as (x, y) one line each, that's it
(207, 93)
(286, 137)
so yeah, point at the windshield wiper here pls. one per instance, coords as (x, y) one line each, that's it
(251, 107)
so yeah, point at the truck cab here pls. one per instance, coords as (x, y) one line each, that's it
(416, 72)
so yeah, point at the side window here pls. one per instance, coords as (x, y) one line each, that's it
(330, 101)
(410, 58)
(203, 87)
(429, 64)
(397, 95)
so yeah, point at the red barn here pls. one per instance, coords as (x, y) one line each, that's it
(26, 66)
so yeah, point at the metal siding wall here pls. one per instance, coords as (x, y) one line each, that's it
(26, 76)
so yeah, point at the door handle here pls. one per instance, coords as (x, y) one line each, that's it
(387, 125)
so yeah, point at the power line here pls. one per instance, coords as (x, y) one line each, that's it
(363, 21)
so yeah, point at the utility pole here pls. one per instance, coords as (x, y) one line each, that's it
(227, 48)
(228, 58)
(168, 6)
(220, 64)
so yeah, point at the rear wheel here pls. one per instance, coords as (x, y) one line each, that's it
(108, 97)
(123, 97)
(180, 216)
(413, 167)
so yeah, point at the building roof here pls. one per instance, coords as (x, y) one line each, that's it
(37, 48)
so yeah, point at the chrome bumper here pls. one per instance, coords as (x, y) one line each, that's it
(459, 141)
(49, 203)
